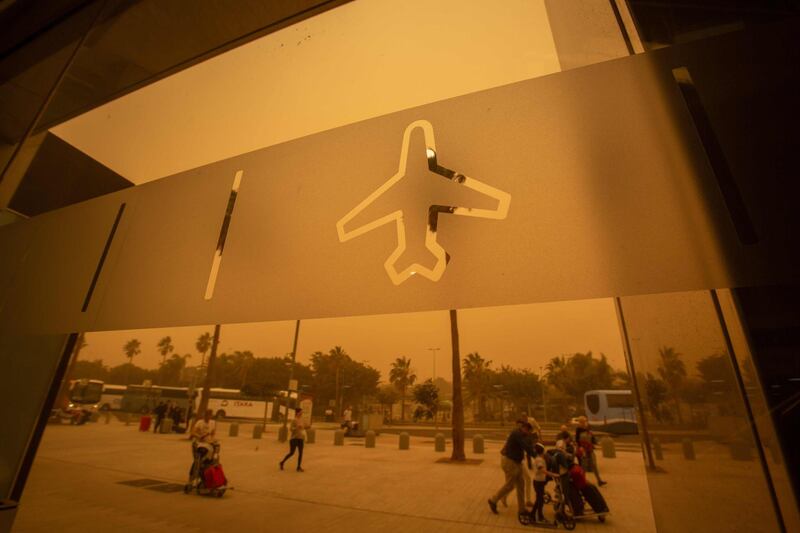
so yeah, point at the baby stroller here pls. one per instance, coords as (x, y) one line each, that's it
(206, 475)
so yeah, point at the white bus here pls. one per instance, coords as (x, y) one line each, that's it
(229, 403)
(111, 398)
(611, 410)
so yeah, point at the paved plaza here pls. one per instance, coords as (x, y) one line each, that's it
(76, 484)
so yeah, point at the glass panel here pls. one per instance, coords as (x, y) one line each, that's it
(702, 439)
(28, 364)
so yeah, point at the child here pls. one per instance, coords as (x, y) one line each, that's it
(540, 477)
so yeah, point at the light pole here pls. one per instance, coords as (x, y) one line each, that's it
(544, 393)
(291, 378)
(436, 414)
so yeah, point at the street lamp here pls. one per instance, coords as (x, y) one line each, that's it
(284, 429)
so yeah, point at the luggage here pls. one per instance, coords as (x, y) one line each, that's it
(214, 477)
(594, 498)
(574, 499)
(144, 423)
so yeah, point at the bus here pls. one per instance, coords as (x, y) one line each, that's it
(111, 398)
(144, 398)
(85, 394)
(611, 410)
(230, 403)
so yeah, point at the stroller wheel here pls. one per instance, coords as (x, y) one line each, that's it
(219, 493)
(569, 523)
(524, 518)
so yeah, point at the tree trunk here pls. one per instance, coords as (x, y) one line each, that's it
(403, 404)
(458, 403)
(204, 395)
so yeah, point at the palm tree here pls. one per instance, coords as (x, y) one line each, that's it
(555, 367)
(202, 345)
(165, 347)
(673, 372)
(243, 362)
(402, 376)
(476, 376)
(458, 404)
(131, 349)
(213, 342)
(338, 356)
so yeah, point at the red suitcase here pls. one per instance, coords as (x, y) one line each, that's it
(144, 423)
(214, 477)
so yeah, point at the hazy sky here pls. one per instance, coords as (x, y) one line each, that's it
(522, 336)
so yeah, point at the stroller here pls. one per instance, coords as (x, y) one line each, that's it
(206, 475)
(569, 504)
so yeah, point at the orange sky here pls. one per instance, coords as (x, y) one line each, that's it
(522, 336)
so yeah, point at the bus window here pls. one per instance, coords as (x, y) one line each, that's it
(620, 400)
(593, 403)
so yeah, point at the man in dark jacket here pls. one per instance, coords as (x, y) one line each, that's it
(519, 446)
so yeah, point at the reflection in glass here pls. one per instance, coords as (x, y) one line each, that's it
(697, 416)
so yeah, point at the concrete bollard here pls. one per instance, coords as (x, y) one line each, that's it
(405, 441)
(233, 430)
(609, 449)
(338, 438)
(311, 436)
(369, 439)
(688, 449)
(657, 449)
(439, 442)
(258, 430)
(283, 434)
(477, 444)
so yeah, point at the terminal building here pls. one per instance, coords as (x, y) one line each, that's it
(177, 164)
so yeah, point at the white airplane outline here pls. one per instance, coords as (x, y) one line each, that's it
(501, 212)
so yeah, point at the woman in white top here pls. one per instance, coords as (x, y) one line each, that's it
(298, 437)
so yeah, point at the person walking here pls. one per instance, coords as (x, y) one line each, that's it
(298, 429)
(533, 437)
(160, 411)
(518, 446)
(586, 441)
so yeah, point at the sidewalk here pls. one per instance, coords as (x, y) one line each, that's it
(74, 486)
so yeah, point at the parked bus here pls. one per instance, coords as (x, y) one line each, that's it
(230, 403)
(85, 394)
(111, 399)
(144, 398)
(611, 411)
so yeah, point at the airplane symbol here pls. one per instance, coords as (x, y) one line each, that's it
(442, 258)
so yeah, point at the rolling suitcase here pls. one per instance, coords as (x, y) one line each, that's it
(594, 498)
(144, 423)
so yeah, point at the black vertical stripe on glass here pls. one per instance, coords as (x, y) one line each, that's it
(716, 157)
(102, 259)
(625, 36)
